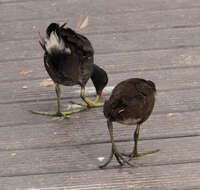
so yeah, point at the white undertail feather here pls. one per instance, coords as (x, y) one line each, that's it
(54, 42)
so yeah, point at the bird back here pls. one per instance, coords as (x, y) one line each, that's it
(131, 100)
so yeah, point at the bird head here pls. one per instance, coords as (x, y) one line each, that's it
(99, 78)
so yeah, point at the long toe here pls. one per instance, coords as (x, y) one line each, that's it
(65, 113)
(119, 159)
(126, 154)
(60, 114)
(98, 104)
(104, 165)
(123, 160)
(90, 105)
(79, 103)
(138, 154)
(46, 113)
(108, 161)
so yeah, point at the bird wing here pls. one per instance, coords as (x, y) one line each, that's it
(80, 41)
(81, 50)
(144, 88)
(130, 99)
(124, 107)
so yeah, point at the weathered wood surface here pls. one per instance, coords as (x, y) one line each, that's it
(80, 157)
(106, 23)
(178, 176)
(117, 42)
(154, 39)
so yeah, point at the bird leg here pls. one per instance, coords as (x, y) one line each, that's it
(135, 152)
(114, 150)
(58, 93)
(88, 102)
(58, 110)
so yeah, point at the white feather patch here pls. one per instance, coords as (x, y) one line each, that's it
(55, 43)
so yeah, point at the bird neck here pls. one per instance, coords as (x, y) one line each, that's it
(99, 78)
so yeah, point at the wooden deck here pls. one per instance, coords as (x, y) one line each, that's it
(153, 39)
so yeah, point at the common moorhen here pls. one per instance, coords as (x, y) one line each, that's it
(69, 60)
(131, 103)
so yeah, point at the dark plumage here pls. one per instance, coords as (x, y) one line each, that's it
(130, 103)
(69, 60)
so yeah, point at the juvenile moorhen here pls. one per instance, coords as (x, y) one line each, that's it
(131, 103)
(69, 60)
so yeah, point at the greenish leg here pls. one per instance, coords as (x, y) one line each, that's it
(58, 109)
(58, 93)
(115, 151)
(87, 102)
(135, 152)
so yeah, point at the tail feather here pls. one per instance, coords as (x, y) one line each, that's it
(54, 42)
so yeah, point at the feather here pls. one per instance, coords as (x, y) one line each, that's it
(83, 22)
(42, 42)
(62, 26)
(54, 42)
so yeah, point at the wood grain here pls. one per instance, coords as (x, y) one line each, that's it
(23, 10)
(106, 23)
(108, 44)
(85, 157)
(166, 80)
(76, 130)
(178, 176)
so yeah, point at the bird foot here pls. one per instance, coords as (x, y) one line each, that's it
(120, 158)
(59, 114)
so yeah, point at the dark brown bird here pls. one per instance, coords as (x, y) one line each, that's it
(131, 103)
(69, 60)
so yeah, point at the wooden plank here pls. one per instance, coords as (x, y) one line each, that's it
(24, 10)
(58, 163)
(166, 79)
(107, 23)
(52, 153)
(112, 63)
(12, 70)
(113, 43)
(167, 102)
(181, 176)
(85, 157)
(37, 133)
